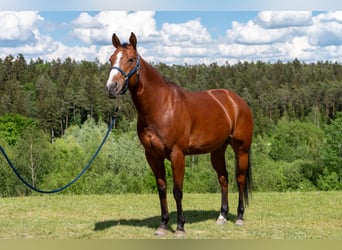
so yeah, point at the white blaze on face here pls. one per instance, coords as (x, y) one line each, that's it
(113, 72)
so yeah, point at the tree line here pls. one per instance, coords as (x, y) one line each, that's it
(49, 109)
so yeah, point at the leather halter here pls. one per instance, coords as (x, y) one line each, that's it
(128, 75)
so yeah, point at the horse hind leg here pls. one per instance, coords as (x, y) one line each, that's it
(243, 178)
(219, 164)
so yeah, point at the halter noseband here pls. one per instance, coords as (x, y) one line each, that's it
(129, 75)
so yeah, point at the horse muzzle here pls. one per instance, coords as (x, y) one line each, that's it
(114, 90)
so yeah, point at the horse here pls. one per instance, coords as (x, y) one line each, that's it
(174, 122)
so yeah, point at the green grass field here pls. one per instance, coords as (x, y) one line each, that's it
(312, 215)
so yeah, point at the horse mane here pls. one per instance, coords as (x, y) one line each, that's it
(171, 82)
(167, 79)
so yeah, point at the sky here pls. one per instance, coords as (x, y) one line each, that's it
(174, 35)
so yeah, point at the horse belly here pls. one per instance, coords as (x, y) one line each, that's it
(207, 141)
(209, 130)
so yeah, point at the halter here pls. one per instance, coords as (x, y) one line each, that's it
(127, 76)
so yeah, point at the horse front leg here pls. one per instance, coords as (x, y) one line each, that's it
(158, 168)
(178, 168)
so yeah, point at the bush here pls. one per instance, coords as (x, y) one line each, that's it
(201, 177)
(271, 175)
(9, 183)
(121, 166)
(329, 181)
(295, 140)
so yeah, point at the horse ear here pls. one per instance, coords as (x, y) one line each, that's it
(133, 40)
(116, 41)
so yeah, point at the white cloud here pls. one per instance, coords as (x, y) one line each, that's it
(326, 29)
(270, 36)
(18, 27)
(190, 33)
(98, 29)
(189, 42)
(175, 43)
(332, 16)
(274, 35)
(19, 33)
(280, 19)
(252, 33)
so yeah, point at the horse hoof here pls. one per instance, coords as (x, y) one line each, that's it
(239, 222)
(179, 234)
(221, 220)
(161, 232)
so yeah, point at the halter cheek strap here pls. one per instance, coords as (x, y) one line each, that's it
(128, 75)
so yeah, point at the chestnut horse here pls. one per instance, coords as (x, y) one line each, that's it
(174, 122)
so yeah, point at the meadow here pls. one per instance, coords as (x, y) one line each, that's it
(288, 215)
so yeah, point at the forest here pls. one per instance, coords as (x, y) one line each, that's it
(53, 116)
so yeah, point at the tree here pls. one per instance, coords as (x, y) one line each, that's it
(48, 105)
(12, 127)
(33, 155)
(331, 178)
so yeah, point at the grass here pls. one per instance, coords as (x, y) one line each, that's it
(312, 215)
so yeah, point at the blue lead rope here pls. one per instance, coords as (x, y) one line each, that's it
(72, 181)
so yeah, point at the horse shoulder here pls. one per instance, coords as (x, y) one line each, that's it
(150, 140)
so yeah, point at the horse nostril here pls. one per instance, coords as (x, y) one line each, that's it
(111, 86)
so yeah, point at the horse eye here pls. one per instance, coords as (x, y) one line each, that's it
(131, 60)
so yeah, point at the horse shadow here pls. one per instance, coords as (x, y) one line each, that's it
(192, 216)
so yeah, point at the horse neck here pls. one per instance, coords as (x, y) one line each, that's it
(150, 89)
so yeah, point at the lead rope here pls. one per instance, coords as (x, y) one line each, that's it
(86, 167)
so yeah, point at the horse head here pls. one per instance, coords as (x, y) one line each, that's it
(125, 64)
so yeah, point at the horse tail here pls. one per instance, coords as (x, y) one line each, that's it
(249, 181)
